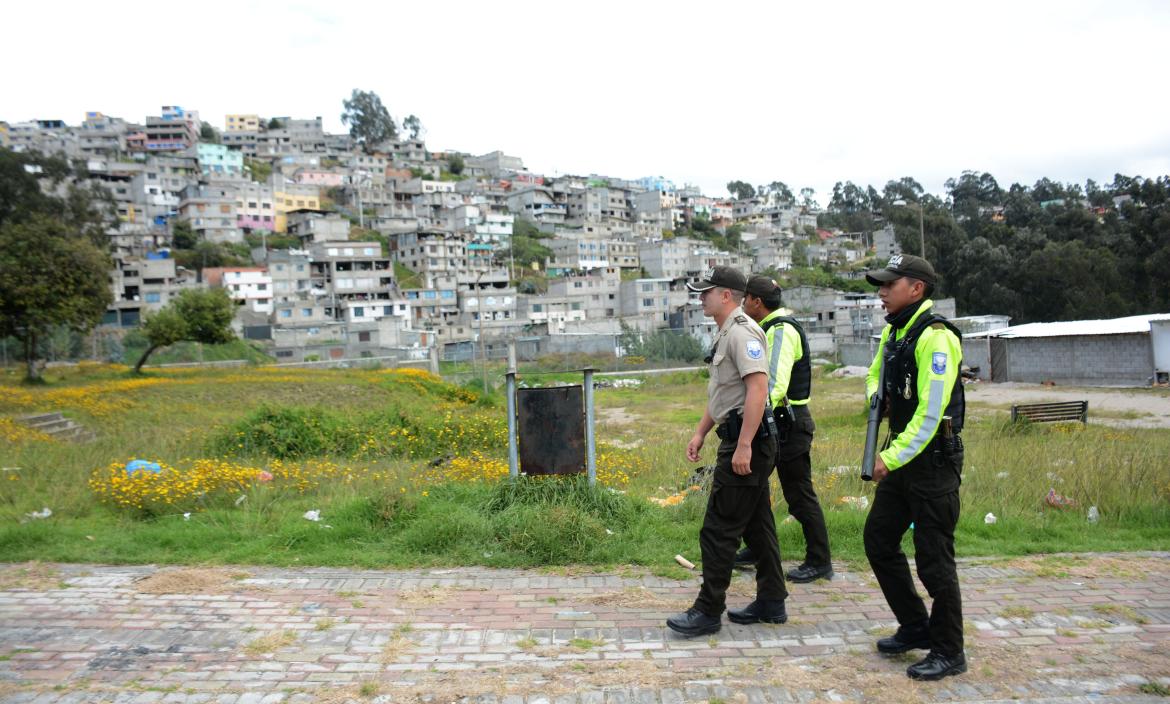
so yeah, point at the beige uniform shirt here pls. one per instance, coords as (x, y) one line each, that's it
(739, 351)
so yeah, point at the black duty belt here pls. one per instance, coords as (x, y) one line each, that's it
(730, 427)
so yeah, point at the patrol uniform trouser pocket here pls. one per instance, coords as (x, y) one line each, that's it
(933, 474)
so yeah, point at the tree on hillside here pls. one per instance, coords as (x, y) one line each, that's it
(848, 198)
(904, 189)
(195, 315)
(208, 134)
(974, 192)
(455, 164)
(54, 260)
(741, 190)
(808, 199)
(207, 254)
(414, 126)
(526, 250)
(524, 228)
(49, 277)
(274, 124)
(258, 169)
(183, 236)
(368, 119)
(780, 194)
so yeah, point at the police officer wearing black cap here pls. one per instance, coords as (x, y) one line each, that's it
(918, 473)
(739, 504)
(789, 389)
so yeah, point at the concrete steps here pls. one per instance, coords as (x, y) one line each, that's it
(57, 426)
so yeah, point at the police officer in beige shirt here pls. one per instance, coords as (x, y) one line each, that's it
(739, 504)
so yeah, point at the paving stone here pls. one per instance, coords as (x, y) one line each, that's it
(102, 629)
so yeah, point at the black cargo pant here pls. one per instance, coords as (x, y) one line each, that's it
(740, 507)
(924, 492)
(794, 468)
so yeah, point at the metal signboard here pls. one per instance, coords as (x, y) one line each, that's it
(552, 430)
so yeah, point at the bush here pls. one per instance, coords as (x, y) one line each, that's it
(612, 507)
(443, 525)
(290, 432)
(550, 534)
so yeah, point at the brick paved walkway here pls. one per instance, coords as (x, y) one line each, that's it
(1054, 629)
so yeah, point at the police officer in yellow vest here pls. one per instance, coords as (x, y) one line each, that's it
(789, 388)
(918, 473)
(739, 505)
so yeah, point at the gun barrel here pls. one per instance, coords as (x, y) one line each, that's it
(871, 437)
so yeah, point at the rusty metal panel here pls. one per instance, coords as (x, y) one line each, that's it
(551, 425)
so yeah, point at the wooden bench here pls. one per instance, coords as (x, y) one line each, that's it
(1052, 412)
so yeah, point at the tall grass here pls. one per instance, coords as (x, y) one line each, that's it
(396, 508)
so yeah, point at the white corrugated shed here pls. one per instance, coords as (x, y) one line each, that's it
(1114, 326)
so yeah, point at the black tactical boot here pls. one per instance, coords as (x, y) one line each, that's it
(757, 611)
(810, 573)
(937, 666)
(916, 637)
(693, 622)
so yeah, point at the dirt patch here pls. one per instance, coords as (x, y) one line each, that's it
(617, 416)
(1088, 567)
(30, 575)
(638, 598)
(427, 597)
(195, 580)
(1151, 407)
(519, 681)
(620, 419)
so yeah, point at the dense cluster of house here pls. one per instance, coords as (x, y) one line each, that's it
(430, 261)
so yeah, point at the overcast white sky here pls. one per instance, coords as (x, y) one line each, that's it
(808, 93)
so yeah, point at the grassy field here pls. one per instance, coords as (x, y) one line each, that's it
(403, 469)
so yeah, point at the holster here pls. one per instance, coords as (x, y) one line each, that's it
(948, 454)
(730, 427)
(785, 421)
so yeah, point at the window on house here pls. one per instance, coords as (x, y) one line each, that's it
(306, 312)
(286, 313)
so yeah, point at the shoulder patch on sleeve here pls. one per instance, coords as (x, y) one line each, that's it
(938, 362)
(754, 349)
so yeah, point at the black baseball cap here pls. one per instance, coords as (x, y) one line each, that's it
(723, 276)
(761, 286)
(903, 265)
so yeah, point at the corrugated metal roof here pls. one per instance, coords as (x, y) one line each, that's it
(1114, 326)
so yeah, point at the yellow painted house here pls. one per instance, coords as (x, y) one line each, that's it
(290, 199)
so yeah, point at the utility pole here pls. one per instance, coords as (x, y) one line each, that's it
(482, 349)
